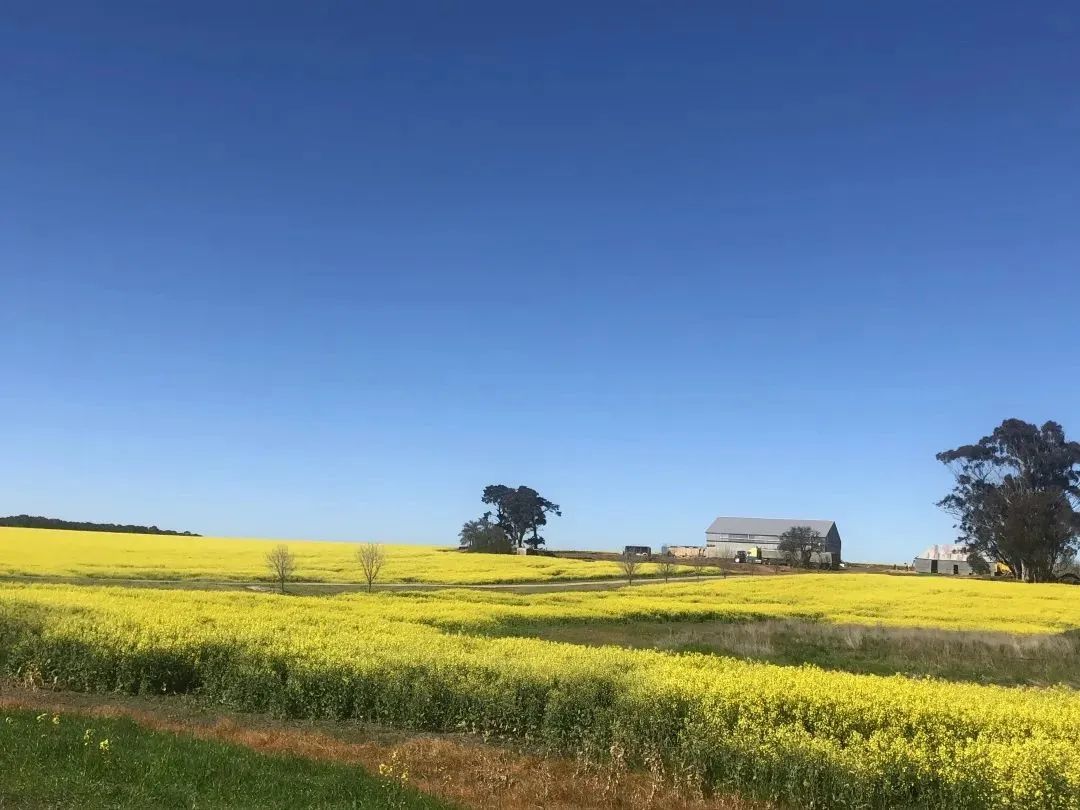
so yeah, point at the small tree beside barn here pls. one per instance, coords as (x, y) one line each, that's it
(799, 544)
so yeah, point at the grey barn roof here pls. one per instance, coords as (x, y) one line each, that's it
(767, 526)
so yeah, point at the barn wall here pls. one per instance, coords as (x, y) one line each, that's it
(924, 566)
(832, 544)
(725, 549)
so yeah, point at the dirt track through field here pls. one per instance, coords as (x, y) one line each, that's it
(455, 768)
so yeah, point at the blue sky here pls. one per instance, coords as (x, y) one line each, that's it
(326, 270)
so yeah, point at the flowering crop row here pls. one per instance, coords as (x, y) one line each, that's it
(801, 735)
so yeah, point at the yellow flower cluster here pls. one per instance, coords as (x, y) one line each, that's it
(395, 770)
(802, 735)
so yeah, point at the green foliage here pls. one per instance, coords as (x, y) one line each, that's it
(520, 513)
(1016, 497)
(799, 544)
(483, 536)
(978, 565)
(73, 761)
(38, 522)
(1069, 568)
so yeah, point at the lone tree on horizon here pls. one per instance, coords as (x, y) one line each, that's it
(519, 512)
(372, 557)
(282, 564)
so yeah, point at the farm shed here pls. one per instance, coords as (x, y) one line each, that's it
(761, 536)
(682, 551)
(943, 558)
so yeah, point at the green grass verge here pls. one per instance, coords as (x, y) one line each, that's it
(73, 761)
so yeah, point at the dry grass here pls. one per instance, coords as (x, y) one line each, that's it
(453, 768)
(968, 655)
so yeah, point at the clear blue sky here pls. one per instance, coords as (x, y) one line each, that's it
(325, 270)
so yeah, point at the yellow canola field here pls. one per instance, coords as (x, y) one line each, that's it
(799, 735)
(918, 601)
(52, 552)
(868, 599)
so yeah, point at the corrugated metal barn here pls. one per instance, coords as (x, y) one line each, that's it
(943, 558)
(728, 535)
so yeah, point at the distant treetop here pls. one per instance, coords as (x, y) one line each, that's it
(38, 522)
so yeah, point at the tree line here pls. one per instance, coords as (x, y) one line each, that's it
(38, 522)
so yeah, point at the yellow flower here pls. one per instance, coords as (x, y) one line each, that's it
(450, 660)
